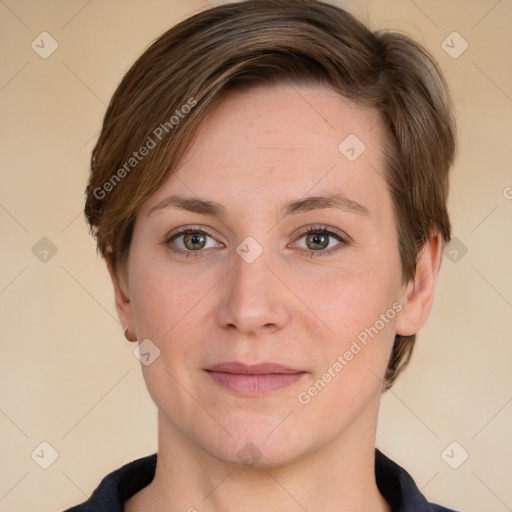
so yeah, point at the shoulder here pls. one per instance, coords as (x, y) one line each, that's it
(399, 489)
(119, 485)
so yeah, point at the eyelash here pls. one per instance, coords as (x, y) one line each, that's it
(323, 230)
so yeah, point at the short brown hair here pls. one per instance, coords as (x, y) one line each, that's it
(170, 89)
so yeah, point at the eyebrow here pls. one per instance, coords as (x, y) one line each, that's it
(329, 201)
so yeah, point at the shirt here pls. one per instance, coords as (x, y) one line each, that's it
(394, 483)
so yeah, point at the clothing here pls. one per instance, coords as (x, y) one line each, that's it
(394, 483)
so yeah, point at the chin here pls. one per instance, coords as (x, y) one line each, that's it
(255, 442)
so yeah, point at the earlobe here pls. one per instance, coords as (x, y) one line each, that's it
(121, 294)
(418, 295)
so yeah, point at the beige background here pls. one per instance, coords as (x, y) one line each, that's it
(68, 376)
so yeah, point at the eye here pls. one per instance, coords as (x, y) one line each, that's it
(190, 241)
(318, 240)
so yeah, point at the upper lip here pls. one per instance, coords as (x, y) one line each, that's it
(252, 369)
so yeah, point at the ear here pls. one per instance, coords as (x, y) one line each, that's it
(122, 297)
(418, 294)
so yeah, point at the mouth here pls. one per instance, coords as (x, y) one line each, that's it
(254, 380)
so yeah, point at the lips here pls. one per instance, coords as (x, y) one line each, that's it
(257, 380)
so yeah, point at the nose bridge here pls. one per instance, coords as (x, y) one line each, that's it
(252, 297)
(250, 272)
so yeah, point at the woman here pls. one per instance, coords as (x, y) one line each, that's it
(269, 193)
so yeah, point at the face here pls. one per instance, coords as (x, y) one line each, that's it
(269, 275)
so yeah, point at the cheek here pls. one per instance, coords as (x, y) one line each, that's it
(352, 297)
(359, 305)
(172, 307)
(163, 297)
(165, 304)
(351, 363)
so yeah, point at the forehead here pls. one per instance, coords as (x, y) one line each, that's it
(282, 142)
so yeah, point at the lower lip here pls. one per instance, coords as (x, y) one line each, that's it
(261, 384)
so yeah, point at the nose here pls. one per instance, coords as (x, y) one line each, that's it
(253, 299)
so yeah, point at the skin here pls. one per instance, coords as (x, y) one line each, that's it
(256, 150)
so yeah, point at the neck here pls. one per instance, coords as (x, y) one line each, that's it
(339, 476)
